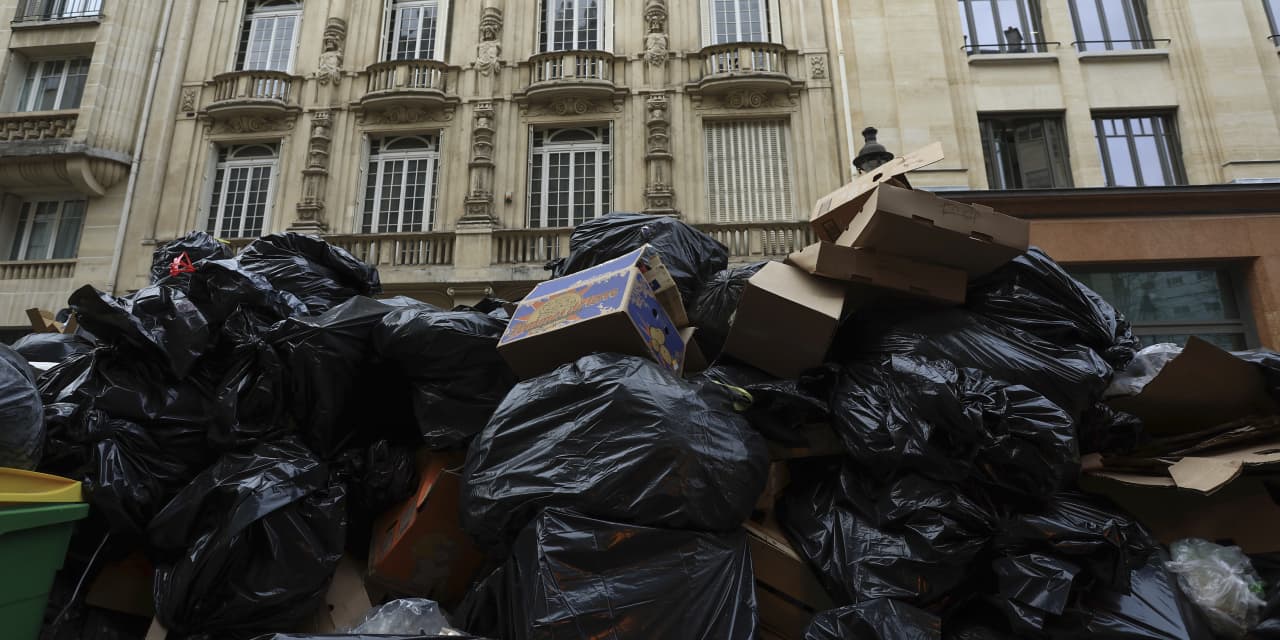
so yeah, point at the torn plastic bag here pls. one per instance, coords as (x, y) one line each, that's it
(574, 577)
(1033, 587)
(713, 310)
(197, 246)
(616, 437)
(408, 615)
(691, 256)
(1072, 377)
(22, 430)
(452, 361)
(879, 619)
(778, 407)
(910, 414)
(1085, 530)
(1221, 582)
(1152, 609)
(914, 541)
(51, 347)
(1035, 294)
(158, 320)
(251, 401)
(251, 544)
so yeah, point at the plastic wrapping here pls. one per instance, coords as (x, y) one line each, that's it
(1036, 295)
(713, 310)
(691, 256)
(407, 616)
(22, 430)
(51, 347)
(451, 359)
(1033, 587)
(159, 321)
(1221, 582)
(1103, 429)
(615, 437)
(571, 577)
(197, 245)
(1151, 609)
(1131, 380)
(909, 414)
(878, 619)
(250, 545)
(778, 407)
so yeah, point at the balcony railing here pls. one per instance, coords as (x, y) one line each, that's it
(50, 10)
(273, 87)
(1036, 46)
(1119, 45)
(407, 76)
(37, 270)
(566, 66)
(37, 125)
(530, 246)
(761, 239)
(743, 58)
(398, 249)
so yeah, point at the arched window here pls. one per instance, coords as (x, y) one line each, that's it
(570, 176)
(243, 184)
(269, 37)
(402, 184)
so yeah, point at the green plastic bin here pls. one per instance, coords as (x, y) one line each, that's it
(33, 543)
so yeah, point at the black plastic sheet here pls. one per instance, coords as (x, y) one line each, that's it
(614, 437)
(1103, 429)
(251, 399)
(574, 577)
(377, 478)
(159, 321)
(778, 407)
(51, 347)
(878, 619)
(691, 256)
(251, 544)
(1152, 609)
(713, 310)
(1032, 587)
(451, 359)
(359, 636)
(198, 246)
(22, 430)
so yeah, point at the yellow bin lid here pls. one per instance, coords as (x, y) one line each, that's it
(18, 486)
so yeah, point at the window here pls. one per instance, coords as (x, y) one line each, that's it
(41, 10)
(1140, 151)
(1002, 26)
(415, 30)
(748, 171)
(47, 230)
(728, 21)
(573, 25)
(569, 176)
(1111, 25)
(242, 190)
(269, 36)
(1173, 304)
(53, 84)
(1025, 152)
(400, 191)
(1273, 15)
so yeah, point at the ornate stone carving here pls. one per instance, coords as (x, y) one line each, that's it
(818, 67)
(251, 124)
(329, 69)
(656, 41)
(315, 177)
(571, 106)
(406, 115)
(479, 201)
(658, 195)
(747, 99)
(489, 51)
(188, 102)
(41, 127)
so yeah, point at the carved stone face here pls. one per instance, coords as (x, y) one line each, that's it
(489, 31)
(332, 41)
(656, 22)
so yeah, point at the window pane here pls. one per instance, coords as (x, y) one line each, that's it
(69, 230)
(15, 250)
(1089, 25)
(1140, 151)
(1227, 341)
(1273, 12)
(1025, 153)
(40, 239)
(28, 86)
(1168, 296)
(77, 73)
(48, 84)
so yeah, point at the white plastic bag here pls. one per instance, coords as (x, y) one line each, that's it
(1221, 582)
(407, 617)
(1144, 368)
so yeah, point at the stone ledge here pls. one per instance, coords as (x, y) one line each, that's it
(1131, 54)
(999, 59)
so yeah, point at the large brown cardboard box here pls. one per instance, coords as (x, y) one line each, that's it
(833, 214)
(874, 274)
(785, 320)
(788, 594)
(419, 547)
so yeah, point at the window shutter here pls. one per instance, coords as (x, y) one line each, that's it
(388, 16)
(362, 176)
(748, 171)
(606, 26)
(774, 11)
(704, 8)
(442, 30)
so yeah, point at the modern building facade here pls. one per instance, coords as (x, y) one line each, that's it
(456, 143)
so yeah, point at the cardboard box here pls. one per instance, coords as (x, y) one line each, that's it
(346, 602)
(835, 212)
(875, 274)
(785, 321)
(788, 594)
(419, 548)
(125, 586)
(627, 305)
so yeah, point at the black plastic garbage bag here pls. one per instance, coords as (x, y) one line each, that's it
(1268, 567)
(1152, 608)
(377, 478)
(574, 577)
(1103, 429)
(778, 407)
(62, 456)
(22, 430)
(198, 245)
(1036, 295)
(691, 256)
(615, 437)
(51, 347)
(159, 321)
(879, 619)
(251, 544)
(915, 541)
(713, 310)
(321, 275)
(251, 399)
(1033, 587)
(910, 414)
(359, 636)
(1073, 377)
(451, 358)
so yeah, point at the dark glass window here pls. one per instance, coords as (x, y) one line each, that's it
(1025, 152)
(1140, 151)
(1111, 25)
(1002, 26)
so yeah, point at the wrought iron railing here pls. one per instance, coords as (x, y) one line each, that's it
(1119, 45)
(50, 10)
(1036, 46)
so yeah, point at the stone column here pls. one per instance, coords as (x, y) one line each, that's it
(315, 177)
(479, 202)
(658, 195)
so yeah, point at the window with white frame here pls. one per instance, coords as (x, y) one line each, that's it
(269, 37)
(53, 84)
(748, 171)
(243, 180)
(47, 230)
(415, 29)
(570, 176)
(728, 21)
(41, 10)
(401, 184)
(574, 25)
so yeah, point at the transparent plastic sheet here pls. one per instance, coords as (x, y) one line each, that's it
(878, 619)
(1220, 581)
(159, 322)
(22, 428)
(615, 437)
(713, 310)
(198, 246)
(407, 616)
(1145, 367)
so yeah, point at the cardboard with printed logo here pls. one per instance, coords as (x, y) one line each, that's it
(627, 305)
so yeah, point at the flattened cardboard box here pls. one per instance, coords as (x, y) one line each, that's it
(873, 273)
(788, 593)
(627, 305)
(785, 320)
